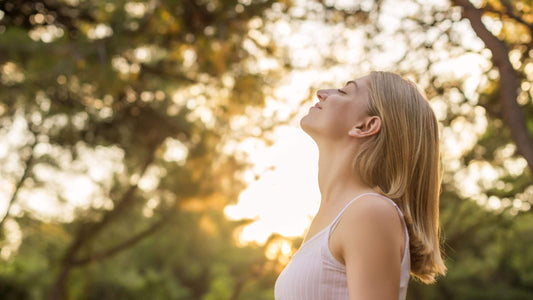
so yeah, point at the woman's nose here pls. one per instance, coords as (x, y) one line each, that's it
(322, 94)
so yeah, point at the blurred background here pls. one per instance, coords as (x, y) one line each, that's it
(152, 149)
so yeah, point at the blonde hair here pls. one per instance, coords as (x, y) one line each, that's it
(402, 162)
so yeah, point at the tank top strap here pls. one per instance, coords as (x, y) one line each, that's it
(335, 222)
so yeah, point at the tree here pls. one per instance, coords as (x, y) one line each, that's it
(513, 16)
(152, 90)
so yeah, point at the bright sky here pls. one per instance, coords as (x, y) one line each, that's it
(284, 199)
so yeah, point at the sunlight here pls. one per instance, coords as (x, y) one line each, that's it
(12, 241)
(283, 199)
(280, 250)
(100, 31)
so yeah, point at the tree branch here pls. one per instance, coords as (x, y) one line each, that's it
(515, 17)
(509, 14)
(88, 232)
(124, 245)
(23, 178)
(124, 201)
(509, 81)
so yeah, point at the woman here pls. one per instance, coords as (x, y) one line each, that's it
(379, 179)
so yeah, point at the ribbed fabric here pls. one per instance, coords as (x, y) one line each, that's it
(314, 273)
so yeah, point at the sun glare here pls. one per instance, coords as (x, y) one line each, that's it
(280, 250)
(283, 199)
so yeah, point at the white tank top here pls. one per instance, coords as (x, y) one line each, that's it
(314, 273)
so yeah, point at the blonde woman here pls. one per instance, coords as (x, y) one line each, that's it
(379, 179)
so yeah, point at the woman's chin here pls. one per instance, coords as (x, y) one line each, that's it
(304, 123)
(307, 127)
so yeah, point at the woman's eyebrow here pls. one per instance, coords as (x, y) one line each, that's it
(351, 81)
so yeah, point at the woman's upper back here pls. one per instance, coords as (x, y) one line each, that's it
(315, 273)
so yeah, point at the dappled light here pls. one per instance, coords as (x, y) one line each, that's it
(153, 150)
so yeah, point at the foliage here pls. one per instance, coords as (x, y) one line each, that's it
(136, 100)
(141, 100)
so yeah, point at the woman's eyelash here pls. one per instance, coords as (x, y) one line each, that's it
(341, 91)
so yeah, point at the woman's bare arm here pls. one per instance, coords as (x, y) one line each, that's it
(370, 243)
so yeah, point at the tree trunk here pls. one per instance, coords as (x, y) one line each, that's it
(509, 82)
(58, 290)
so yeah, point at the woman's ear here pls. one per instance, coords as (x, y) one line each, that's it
(366, 128)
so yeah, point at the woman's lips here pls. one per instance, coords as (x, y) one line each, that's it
(317, 106)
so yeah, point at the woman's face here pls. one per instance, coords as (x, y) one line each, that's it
(338, 110)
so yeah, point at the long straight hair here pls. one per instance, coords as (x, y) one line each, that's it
(402, 162)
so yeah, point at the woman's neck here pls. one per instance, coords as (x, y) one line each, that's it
(336, 180)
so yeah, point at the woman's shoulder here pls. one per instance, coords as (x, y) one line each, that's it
(369, 218)
(372, 207)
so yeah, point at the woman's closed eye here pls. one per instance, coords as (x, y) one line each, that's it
(341, 91)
